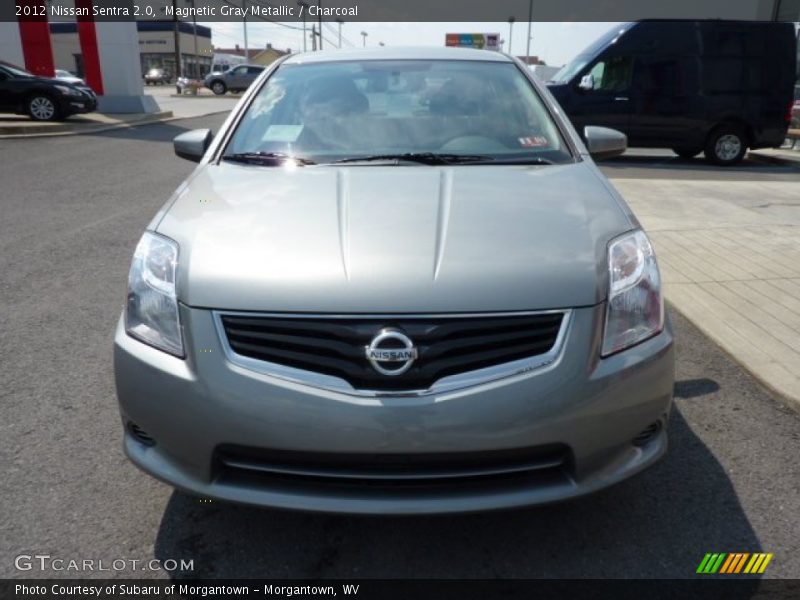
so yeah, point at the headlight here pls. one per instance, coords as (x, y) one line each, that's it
(635, 309)
(67, 90)
(151, 313)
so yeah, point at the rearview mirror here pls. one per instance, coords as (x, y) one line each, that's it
(587, 83)
(603, 142)
(192, 145)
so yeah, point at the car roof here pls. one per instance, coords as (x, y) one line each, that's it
(399, 53)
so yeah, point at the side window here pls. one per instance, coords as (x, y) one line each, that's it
(3, 76)
(239, 71)
(613, 74)
(254, 70)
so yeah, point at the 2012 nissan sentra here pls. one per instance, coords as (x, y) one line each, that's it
(396, 282)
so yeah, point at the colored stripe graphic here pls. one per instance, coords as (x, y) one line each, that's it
(734, 563)
(727, 564)
(711, 563)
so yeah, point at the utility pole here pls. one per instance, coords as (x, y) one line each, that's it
(319, 12)
(313, 37)
(510, 32)
(340, 22)
(364, 36)
(530, 21)
(176, 33)
(303, 7)
(196, 71)
(244, 23)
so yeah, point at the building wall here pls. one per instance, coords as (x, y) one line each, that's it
(65, 47)
(156, 49)
(11, 43)
(266, 57)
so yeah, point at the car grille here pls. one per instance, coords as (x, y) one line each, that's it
(445, 345)
(347, 474)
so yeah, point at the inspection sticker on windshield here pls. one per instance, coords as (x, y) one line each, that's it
(536, 141)
(282, 133)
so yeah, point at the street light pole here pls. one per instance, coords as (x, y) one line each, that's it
(530, 20)
(364, 36)
(340, 22)
(510, 32)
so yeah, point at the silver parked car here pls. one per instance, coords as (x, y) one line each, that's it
(237, 79)
(395, 283)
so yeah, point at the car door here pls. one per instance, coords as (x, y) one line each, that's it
(7, 93)
(665, 110)
(607, 102)
(252, 74)
(237, 78)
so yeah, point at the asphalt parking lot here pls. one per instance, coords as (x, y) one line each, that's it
(72, 211)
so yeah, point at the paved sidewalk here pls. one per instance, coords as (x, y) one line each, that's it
(730, 258)
(172, 107)
(12, 126)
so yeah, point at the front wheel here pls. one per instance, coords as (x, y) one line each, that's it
(42, 108)
(218, 88)
(726, 145)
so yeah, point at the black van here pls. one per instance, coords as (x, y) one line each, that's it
(693, 86)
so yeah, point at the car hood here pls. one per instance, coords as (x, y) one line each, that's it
(393, 239)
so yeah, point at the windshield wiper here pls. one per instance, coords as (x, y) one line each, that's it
(434, 158)
(521, 160)
(266, 158)
(425, 158)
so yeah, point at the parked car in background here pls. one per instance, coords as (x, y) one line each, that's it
(236, 79)
(63, 75)
(395, 283)
(718, 87)
(42, 98)
(156, 77)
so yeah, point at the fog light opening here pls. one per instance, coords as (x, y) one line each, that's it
(647, 434)
(140, 435)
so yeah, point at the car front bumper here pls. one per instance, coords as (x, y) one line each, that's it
(587, 410)
(71, 105)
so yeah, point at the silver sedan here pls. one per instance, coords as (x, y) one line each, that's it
(396, 282)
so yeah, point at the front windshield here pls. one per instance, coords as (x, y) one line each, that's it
(576, 65)
(331, 111)
(572, 68)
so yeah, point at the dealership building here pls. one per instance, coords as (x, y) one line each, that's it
(156, 47)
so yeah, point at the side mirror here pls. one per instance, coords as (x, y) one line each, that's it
(192, 145)
(587, 83)
(603, 142)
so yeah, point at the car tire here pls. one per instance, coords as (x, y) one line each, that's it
(726, 145)
(42, 107)
(219, 88)
(687, 153)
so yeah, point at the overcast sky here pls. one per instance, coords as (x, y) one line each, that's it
(555, 43)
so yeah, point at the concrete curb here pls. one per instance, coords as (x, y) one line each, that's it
(228, 95)
(790, 400)
(62, 129)
(772, 159)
